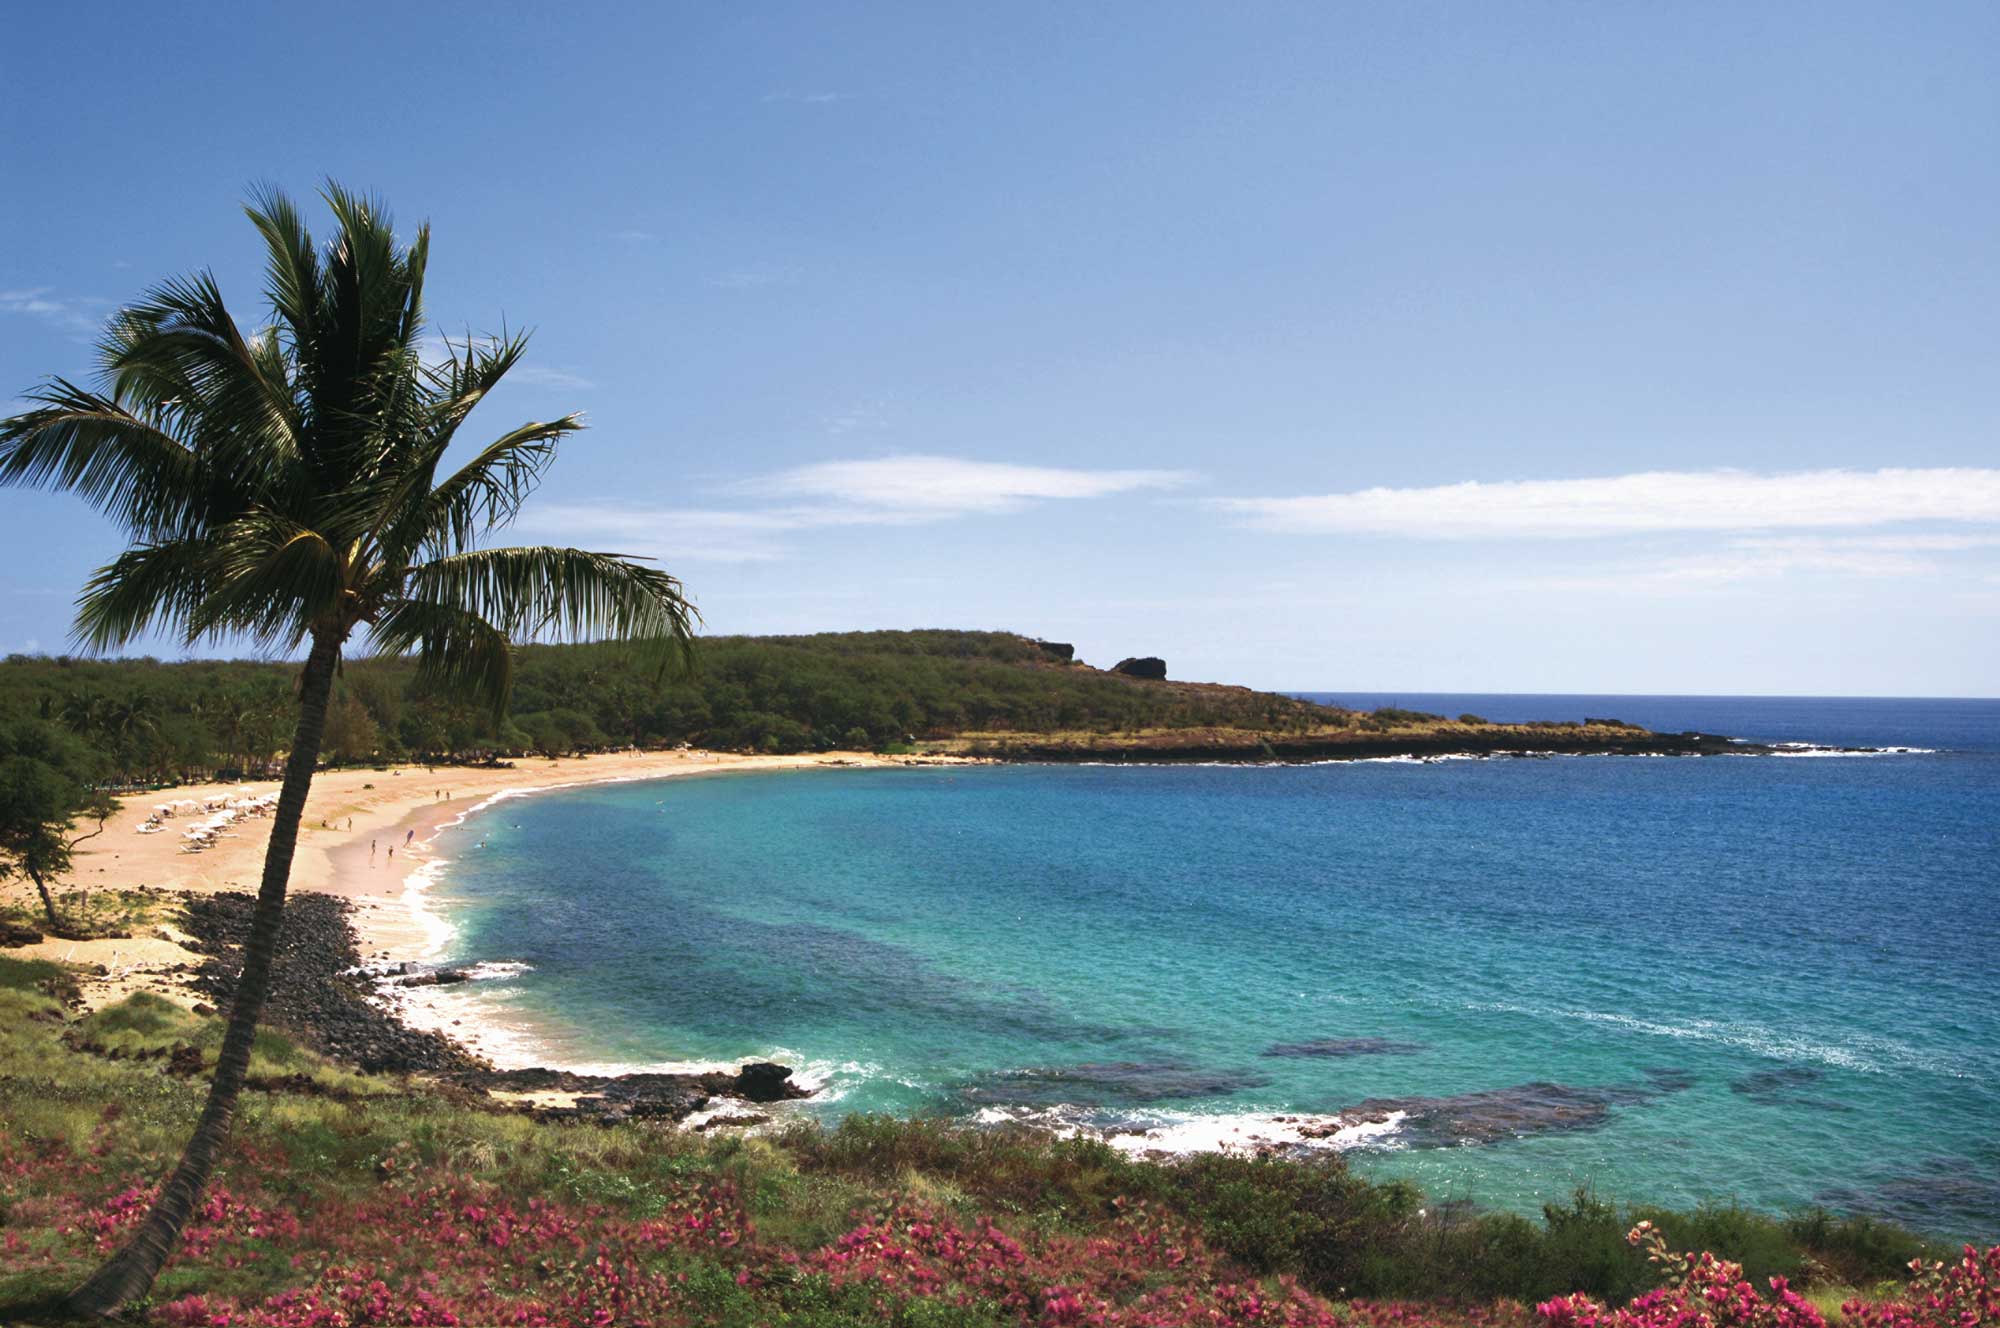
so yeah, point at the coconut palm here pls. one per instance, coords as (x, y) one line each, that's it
(286, 487)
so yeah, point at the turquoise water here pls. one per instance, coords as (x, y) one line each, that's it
(1762, 979)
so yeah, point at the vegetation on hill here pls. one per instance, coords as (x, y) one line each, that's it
(353, 1198)
(986, 691)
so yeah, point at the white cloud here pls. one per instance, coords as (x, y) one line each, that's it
(670, 534)
(543, 375)
(1652, 503)
(1763, 559)
(808, 98)
(634, 236)
(893, 491)
(949, 486)
(435, 350)
(72, 315)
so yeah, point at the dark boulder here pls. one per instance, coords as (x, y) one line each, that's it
(1058, 650)
(1143, 666)
(432, 977)
(13, 933)
(762, 1081)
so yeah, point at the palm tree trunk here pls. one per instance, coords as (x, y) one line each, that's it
(129, 1274)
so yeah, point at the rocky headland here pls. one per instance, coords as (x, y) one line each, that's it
(322, 994)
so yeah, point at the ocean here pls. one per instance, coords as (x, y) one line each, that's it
(1762, 980)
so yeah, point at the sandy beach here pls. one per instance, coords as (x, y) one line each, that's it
(398, 812)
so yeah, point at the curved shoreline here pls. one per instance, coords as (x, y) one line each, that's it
(397, 924)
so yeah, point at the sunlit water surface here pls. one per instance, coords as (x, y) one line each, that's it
(1764, 979)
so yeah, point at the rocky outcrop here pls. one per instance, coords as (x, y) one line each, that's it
(413, 975)
(319, 994)
(1150, 667)
(610, 1099)
(315, 992)
(763, 1081)
(1061, 651)
(1497, 741)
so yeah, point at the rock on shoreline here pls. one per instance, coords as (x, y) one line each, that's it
(320, 994)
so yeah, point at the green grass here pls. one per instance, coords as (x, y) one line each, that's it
(95, 913)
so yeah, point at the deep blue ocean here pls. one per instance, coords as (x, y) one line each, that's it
(1769, 980)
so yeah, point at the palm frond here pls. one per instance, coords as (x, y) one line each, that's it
(271, 580)
(150, 584)
(488, 490)
(556, 594)
(458, 652)
(180, 350)
(291, 270)
(126, 466)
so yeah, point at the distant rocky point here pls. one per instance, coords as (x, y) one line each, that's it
(1151, 667)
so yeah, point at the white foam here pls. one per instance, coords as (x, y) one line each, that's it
(493, 969)
(1179, 1133)
(437, 930)
(1867, 1053)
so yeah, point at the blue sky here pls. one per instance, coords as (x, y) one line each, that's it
(1537, 347)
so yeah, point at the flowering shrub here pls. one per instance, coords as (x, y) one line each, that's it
(406, 1236)
(1140, 1270)
(1702, 1291)
(1962, 1295)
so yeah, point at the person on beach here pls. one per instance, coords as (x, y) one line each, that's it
(371, 853)
(408, 835)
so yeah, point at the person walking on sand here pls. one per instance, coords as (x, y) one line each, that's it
(371, 853)
(408, 835)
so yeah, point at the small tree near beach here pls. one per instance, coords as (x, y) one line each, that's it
(46, 788)
(286, 486)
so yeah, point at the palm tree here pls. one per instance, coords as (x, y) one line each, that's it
(283, 487)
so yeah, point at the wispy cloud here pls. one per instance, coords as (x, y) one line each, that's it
(633, 236)
(856, 419)
(891, 491)
(950, 486)
(436, 349)
(1655, 502)
(81, 318)
(544, 375)
(1749, 562)
(820, 98)
(669, 533)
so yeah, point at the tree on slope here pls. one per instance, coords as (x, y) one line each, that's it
(287, 487)
(46, 779)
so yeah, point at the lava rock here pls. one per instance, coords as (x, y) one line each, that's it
(1142, 666)
(432, 977)
(313, 993)
(762, 1081)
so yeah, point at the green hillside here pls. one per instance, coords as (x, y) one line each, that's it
(155, 721)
